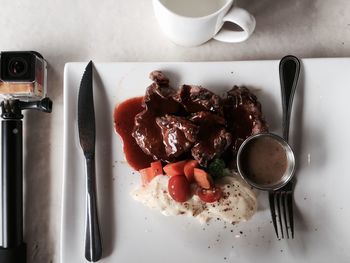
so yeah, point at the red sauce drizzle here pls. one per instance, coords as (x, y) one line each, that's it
(124, 115)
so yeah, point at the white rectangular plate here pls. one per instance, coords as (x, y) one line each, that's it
(132, 233)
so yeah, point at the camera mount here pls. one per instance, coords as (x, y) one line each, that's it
(13, 249)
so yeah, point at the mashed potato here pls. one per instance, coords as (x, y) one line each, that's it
(238, 202)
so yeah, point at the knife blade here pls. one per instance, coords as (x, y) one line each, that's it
(87, 137)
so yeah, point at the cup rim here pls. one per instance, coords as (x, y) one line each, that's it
(228, 3)
(284, 179)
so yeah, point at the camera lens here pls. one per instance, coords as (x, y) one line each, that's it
(17, 67)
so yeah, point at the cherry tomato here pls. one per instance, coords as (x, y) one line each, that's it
(209, 195)
(179, 188)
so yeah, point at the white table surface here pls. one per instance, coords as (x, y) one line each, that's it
(115, 30)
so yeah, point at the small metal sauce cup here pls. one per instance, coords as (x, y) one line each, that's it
(285, 178)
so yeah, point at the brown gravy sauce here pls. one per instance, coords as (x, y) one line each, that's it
(264, 160)
(124, 115)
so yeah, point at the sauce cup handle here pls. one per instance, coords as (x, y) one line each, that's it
(243, 19)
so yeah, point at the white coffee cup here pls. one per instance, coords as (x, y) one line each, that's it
(194, 22)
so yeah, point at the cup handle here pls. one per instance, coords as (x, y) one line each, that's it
(243, 19)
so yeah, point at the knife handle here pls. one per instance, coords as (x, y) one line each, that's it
(93, 246)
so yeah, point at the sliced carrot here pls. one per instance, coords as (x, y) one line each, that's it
(147, 175)
(202, 178)
(173, 169)
(189, 169)
(157, 167)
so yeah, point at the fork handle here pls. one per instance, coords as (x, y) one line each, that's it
(289, 73)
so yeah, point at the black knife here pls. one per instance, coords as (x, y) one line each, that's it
(87, 134)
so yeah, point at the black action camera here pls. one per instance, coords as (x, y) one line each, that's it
(22, 75)
(17, 66)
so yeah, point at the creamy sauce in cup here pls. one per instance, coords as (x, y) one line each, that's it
(264, 161)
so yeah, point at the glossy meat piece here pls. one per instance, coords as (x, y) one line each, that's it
(195, 121)
(207, 117)
(158, 101)
(159, 78)
(159, 95)
(197, 98)
(178, 134)
(147, 135)
(243, 115)
(213, 138)
(212, 143)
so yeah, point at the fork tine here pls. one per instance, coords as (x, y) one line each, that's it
(278, 198)
(273, 211)
(290, 211)
(284, 204)
(283, 198)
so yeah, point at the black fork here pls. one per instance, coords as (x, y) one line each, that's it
(281, 200)
(281, 205)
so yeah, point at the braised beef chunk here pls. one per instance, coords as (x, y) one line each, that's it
(158, 101)
(213, 138)
(207, 117)
(211, 143)
(159, 78)
(147, 135)
(159, 95)
(178, 134)
(197, 98)
(194, 121)
(243, 115)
